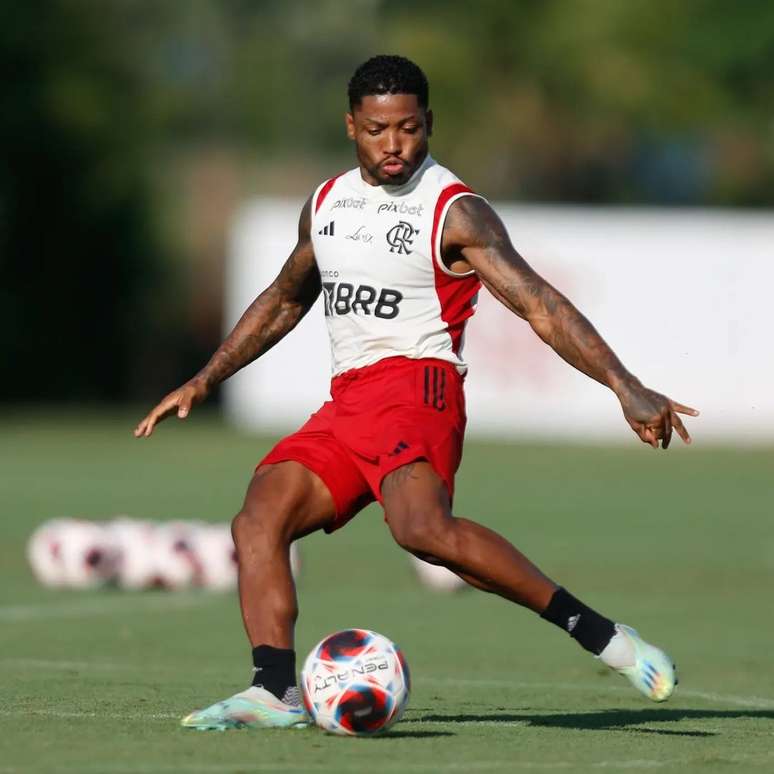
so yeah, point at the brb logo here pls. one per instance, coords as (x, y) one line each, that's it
(343, 297)
(400, 237)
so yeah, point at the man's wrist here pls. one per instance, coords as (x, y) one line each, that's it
(622, 383)
(206, 379)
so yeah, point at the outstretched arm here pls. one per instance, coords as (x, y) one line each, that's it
(271, 316)
(474, 235)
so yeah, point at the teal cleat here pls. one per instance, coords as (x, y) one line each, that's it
(253, 708)
(653, 672)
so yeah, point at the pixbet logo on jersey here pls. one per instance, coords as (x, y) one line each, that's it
(400, 237)
(349, 203)
(400, 209)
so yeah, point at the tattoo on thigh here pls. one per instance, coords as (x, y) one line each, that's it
(265, 470)
(400, 476)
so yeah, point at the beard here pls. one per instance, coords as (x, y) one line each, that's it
(376, 171)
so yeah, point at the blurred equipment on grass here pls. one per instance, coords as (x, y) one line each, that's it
(435, 577)
(136, 554)
(73, 553)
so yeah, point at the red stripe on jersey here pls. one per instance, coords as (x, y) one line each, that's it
(324, 191)
(455, 293)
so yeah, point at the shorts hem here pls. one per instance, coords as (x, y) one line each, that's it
(342, 516)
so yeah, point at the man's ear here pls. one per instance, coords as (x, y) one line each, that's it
(350, 123)
(429, 122)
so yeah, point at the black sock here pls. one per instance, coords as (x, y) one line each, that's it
(275, 670)
(588, 628)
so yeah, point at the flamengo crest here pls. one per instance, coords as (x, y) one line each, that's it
(400, 237)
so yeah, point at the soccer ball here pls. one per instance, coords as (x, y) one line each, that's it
(44, 553)
(295, 561)
(214, 550)
(436, 577)
(177, 566)
(137, 567)
(216, 556)
(89, 554)
(72, 553)
(153, 555)
(355, 683)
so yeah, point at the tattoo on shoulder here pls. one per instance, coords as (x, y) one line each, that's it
(475, 228)
(472, 222)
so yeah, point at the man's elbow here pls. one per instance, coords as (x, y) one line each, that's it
(541, 324)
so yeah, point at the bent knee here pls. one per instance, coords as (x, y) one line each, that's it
(264, 522)
(250, 525)
(422, 532)
(273, 508)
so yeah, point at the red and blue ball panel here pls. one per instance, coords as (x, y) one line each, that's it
(364, 709)
(344, 645)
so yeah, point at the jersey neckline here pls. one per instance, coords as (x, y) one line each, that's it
(389, 191)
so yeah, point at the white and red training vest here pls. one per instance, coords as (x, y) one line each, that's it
(385, 287)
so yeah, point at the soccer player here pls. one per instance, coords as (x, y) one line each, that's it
(399, 247)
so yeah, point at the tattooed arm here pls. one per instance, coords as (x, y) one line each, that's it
(268, 319)
(474, 237)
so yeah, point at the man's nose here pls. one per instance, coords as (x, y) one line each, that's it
(392, 143)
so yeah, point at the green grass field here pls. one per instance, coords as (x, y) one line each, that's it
(679, 544)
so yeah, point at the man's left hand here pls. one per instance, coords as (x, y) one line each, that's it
(653, 416)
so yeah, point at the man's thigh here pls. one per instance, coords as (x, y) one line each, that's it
(291, 498)
(327, 463)
(418, 512)
(414, 493)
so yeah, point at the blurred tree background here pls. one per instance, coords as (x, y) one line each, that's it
(132, 130)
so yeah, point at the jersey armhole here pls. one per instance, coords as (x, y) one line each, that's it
(321, 193)
(445, 200)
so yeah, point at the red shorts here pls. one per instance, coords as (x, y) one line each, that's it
(381, 417)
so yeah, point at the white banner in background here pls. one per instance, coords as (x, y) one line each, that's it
(683, 296)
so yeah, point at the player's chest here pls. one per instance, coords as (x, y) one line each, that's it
(374, 239)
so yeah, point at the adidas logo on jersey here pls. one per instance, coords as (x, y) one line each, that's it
(328, 230)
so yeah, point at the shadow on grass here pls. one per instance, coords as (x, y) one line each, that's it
(608, 720)
(411, 734)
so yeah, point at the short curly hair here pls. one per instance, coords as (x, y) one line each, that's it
(388, 74)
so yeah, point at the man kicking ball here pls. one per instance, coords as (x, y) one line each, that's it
(399, 247)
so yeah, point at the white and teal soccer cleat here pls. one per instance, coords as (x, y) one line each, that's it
(653, 673)
(253, 708)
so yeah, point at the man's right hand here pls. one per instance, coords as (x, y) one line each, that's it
(179, 402)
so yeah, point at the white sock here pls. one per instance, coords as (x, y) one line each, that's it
(618, 652)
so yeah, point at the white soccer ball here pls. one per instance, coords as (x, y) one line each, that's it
(88, 554)
(176, 564)
(216, 556)
(44, 553)
(295, 561)
(436, 577)
(137, 568)
(355, 683)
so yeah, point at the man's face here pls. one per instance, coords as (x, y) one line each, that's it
(390, 133)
